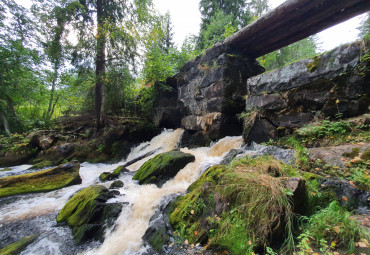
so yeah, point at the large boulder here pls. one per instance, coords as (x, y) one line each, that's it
(42, 181)
(88, 214)
(163, 167)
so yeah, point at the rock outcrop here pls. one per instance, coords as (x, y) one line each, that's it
(88, 214)
(208, 93)
(42, 181)
(163, 167)
(334, 83)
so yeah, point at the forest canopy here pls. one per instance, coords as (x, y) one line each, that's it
(72, 57)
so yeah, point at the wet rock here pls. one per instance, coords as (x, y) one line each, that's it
(299, 199)
(255, 150)
(159, 233)
(261, 132)
(162, 167)
(168, 117)
(116, 185)
(19, 246)
(88, 214)
(107, 176)
(42, 181)
(191, 139)
(349, 196)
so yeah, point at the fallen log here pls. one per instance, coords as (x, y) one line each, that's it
(292, 21)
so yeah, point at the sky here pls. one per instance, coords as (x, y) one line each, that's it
(186, 19)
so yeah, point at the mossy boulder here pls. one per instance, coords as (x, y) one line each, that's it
(116, 185)
(107, 176)
(241, 207)
(88, 214)
(19, 246)
(42, 181)
(163, 167)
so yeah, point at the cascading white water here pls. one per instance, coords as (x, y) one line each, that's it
(143, 199)
(134, 220)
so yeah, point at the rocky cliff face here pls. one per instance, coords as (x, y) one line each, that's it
(334, 83)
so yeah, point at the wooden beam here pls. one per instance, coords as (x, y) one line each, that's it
(292, 21)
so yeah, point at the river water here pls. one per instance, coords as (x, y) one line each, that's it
(26, 214)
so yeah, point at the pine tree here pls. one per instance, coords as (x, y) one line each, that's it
(220, 17)
(365, 28)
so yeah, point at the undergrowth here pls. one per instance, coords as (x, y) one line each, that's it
(330, 228)
(256, 206)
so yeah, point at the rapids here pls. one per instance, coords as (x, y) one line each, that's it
(39, 210)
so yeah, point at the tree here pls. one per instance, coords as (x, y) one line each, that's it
(221, 18)
(53, 16)
(18, 75)
(365, 27)
(305, 48)
(220, 27)
(118, 23)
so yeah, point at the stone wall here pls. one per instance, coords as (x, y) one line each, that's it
(210, 92)
(332, 84)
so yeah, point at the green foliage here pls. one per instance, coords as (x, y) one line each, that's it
(301, 152)
(325, 129)
(162, 58)
(219, 28)
(13, 142)
(221, 19)
(254, 203)
(303, 49)
(365, 28)
(332, 225)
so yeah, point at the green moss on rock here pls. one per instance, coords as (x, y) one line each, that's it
(43, 164)
(366, 155)
(116, 185)
(80, 208)
(354, 153)
(162, 167)
(107, 176)
(315, 64)
(42, 181)
(19, 246)
(88, 213)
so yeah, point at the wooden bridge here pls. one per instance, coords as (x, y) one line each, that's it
(292, 21)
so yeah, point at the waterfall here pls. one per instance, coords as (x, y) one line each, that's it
(125, 237)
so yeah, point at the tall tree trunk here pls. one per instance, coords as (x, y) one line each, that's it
(52, 92)
(100, 65)
(5, 123)
(13, 114)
